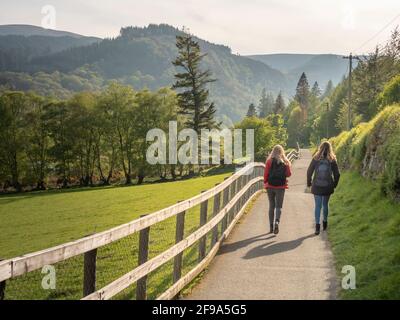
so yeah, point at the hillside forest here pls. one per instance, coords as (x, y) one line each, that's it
(97, 135)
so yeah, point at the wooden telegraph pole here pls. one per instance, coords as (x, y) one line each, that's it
(349, 115)
(327, 120)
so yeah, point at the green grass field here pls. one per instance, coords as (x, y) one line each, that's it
(35, 221)
(365, 233)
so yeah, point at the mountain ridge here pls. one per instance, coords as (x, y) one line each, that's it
(32, 30)
(141, 57)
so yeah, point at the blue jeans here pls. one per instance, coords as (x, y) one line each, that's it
(321, 202)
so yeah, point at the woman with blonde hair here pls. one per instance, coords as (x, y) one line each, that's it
(323, 177)
(277, 170)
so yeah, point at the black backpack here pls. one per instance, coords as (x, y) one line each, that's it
(323, 174)
(277, 174)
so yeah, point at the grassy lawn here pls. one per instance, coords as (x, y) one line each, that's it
(35, 221)
(365, 233)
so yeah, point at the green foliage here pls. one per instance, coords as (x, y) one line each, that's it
(315, 90)
(328, 89)
(303, 92)
(373, 148)
(279, 106)
(141, 57)
(365, 233)
(86, 140)
(267, 133)
(251, 112)
(391, 92)
(375, 85)
(16, 51)
(266, 104)
(295, 126)
(193, 99)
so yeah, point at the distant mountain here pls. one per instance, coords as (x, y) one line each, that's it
(318, 67)
(27, 30)
(142, 58)
(283, 61)
(19, 44)
(58, 63)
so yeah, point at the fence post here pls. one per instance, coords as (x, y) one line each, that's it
(2, 287)
(179, 232)
(241, 178)
(89, 272)
(225, 201)
(237, 189)
(203, 221)
(141, 285)
(231, 195)
(217, 200)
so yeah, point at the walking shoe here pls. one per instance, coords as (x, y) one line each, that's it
(325, 225)
(271, 228)
(317, 229)
(276, 229)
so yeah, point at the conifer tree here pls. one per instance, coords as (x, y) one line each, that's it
(266, 104)
(328, 89)
(251, 112)
(279, 106)
(303, 94)
(193, 98)
(316, 91)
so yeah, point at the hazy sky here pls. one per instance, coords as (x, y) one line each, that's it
(247, 26)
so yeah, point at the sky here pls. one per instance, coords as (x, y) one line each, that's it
(246, 26)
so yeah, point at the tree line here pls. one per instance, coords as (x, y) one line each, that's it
(97, 137)
(90, 138)
(311, 116)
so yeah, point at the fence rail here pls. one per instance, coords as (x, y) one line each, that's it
(229, 201)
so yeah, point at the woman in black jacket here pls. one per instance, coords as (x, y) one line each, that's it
(323, 177)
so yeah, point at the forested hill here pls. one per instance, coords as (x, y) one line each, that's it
(27, 30)
(21, 43)
(318, 67)
(141, 57)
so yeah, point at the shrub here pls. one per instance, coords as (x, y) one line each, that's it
(373, 148)
(391, 92)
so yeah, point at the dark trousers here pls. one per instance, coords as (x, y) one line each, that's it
(275, 197)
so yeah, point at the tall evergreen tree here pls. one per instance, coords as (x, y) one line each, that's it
(316, 91)
(279, 106)
(193, 100)
(303, 94)
(266, 104)
(251, 112)
(328, 89)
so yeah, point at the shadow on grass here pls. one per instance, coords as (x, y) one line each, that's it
(7, 198)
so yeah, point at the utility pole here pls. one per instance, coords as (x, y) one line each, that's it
(350, 57)
(327, 120)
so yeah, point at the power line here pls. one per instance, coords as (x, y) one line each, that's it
(378, 33)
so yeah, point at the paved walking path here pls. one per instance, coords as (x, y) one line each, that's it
(253, 264)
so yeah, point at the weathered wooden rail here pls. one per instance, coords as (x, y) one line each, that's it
(229, 201)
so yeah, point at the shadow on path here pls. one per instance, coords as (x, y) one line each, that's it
(270, 248)
(230, 247)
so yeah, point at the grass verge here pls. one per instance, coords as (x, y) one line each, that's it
(365, 233)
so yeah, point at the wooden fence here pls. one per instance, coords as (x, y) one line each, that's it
(229, 202)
